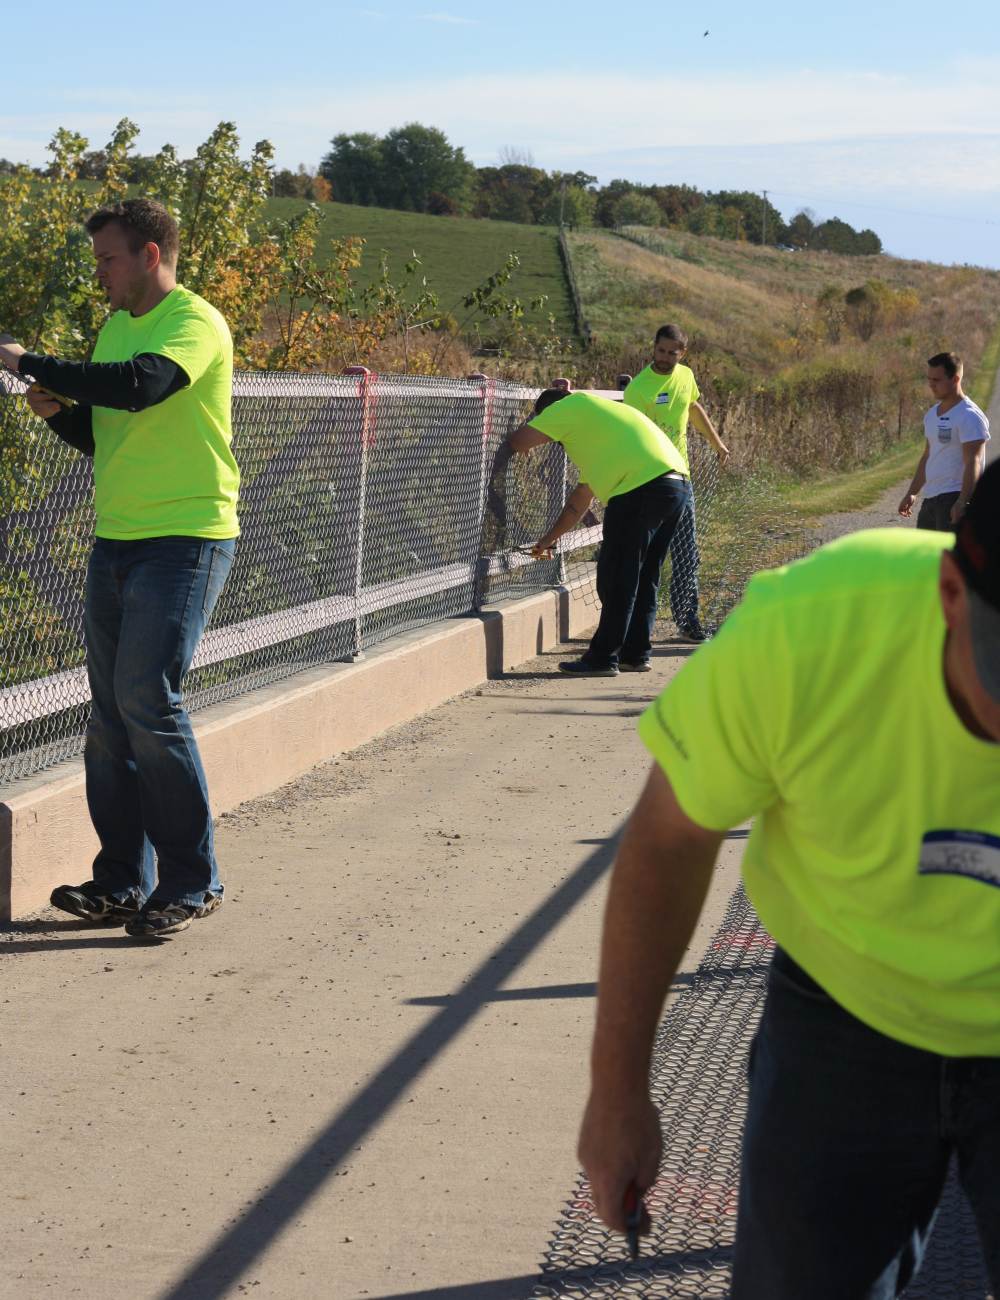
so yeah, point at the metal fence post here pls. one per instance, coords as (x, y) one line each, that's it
(567, 386)
(366, 433)
(488, 388)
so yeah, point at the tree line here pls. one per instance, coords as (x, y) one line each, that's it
(415, 168)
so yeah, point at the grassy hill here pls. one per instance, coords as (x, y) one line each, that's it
(753, 312)
(788, 371)
(457, 253)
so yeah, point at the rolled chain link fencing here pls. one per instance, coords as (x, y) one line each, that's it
(698, 1083)
(369, 505)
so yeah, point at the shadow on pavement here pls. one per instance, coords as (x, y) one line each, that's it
(235, 1250)
(519, 1288)
(514, 995)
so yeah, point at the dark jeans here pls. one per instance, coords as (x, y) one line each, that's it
(847, 1143)
(638, 526)
(935, 512)
(684, 569)
(146, 607)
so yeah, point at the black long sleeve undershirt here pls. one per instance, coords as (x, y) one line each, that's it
(132, 385)
(75, 426)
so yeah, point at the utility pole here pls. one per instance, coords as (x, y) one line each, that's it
(562, 200)
(763, 219)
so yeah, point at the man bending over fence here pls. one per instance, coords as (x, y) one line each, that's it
(874, 862)
(626, 462)
(153, 409)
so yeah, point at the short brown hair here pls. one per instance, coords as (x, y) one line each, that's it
(547, 396)
(672, 332)
(144, 221)
(950, 363)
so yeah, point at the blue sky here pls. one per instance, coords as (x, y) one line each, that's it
(889, 120)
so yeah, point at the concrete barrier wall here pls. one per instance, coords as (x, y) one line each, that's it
(261, 741)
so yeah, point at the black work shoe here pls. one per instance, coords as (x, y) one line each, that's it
(581, 668)
(160, 920)
(88, 903)
(634, 666)
(692, 631)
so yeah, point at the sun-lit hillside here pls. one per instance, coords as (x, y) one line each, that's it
(756, 312)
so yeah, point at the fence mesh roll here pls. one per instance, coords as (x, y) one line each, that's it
(699, 1086)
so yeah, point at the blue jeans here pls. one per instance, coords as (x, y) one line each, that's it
(146, 607)
(638, 526)
(684, 560)
(847, 1144)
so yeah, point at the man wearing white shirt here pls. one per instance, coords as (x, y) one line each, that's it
(957, 432)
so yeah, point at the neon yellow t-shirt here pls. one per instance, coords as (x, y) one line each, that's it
(666, 400)
(821, 708)
(169, 470)
(615, 448)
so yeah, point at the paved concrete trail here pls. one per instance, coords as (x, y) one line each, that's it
(363, 1076)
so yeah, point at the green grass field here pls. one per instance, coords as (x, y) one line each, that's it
(457, 253)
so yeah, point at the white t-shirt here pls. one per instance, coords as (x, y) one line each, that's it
(945, 434)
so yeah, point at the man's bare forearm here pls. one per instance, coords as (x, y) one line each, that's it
(703, 423)
(657, 890)
(919, 476)
(971, 471)
(580, 500)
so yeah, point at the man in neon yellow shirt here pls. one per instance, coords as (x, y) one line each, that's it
(667, 393)
(153, 409)
(874, 861)
(625, 461)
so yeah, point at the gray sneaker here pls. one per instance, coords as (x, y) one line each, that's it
(90, 903)
(580, 668)
(692, 631)
(160, 920)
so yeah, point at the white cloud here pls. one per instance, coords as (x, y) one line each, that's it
(563, 116)
(849, 133)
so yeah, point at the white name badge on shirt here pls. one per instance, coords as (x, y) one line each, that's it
(961, 853)
(944, 433)
(662, 399)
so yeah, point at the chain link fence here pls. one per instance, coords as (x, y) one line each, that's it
(369, 505)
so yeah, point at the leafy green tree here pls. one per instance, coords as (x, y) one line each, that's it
(513, 192)
(570, 203)
(48, 296)
(835, 236)
(676, 202)
(355, 169)
(417, 162)
(605, 213)
(758, 218)
(705, 220)
(633, 208)
(867, 242)
(801, 230)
